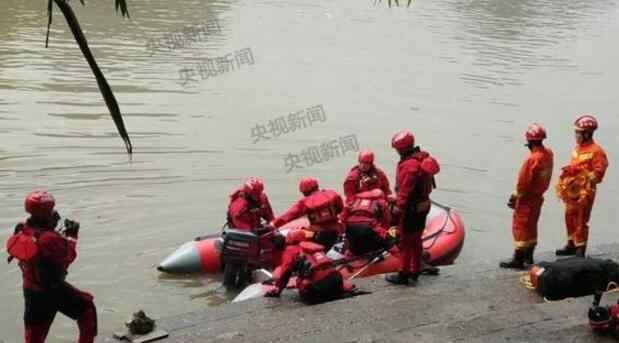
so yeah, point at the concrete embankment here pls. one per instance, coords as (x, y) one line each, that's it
(464, 304)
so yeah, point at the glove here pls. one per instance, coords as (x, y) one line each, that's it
(511, 203)
(391, 241)
(273, 293)
(71, 228)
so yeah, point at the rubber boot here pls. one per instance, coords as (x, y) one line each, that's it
(413, 277)
(517, 261)
(580, 251)
(568, 250)
(528, 256)
(401, 278)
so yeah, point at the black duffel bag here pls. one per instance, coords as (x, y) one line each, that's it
(575, 277)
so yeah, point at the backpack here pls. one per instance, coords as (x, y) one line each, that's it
(573, 277)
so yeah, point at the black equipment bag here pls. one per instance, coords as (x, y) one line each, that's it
(575, 277)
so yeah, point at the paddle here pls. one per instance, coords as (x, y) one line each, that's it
(367, 265)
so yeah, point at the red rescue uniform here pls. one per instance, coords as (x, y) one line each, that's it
(369, 208)
(245, 213)
(317, 279)
(322, 208)
(358, 181)
(533, 181)
(592, 158)
(366, 220)
(45, 290)
(413, 187)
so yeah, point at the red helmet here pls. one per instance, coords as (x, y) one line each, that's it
(308, 185)
(295, 236)
(403, 140)
(366, 156)
(430, 165)
(254, 186)
(535, 132)
(39, 203)
(586, 122)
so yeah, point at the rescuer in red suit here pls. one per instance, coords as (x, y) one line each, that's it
(366, 220)
(414, 183)
(364, 177)
(249, 205)
(44, 257)
(317, 279)
(322, 207)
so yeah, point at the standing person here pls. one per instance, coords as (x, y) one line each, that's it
(322, 207)
(578, 185)
(44, 257)
(249, 205)
(527, 199)
(365, 177)
(414, 183)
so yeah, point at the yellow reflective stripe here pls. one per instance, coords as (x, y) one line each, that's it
(580, 244)
(526, 244)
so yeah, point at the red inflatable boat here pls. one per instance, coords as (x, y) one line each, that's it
(443, 238)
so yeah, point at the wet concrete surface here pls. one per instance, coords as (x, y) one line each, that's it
(479, 303)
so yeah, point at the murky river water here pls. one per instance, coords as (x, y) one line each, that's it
(466, 75)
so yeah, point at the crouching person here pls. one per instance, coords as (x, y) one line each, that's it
(367, 219)
(44, 257)
(317, 279)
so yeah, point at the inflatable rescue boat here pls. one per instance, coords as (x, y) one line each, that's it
(443, 239)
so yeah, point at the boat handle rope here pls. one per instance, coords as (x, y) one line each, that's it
(447, 219)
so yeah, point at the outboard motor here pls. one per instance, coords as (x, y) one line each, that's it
(244, 251)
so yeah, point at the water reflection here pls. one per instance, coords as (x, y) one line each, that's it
(509, 38)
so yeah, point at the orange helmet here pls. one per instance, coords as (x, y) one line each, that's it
(39, 203)
(254, 186)
(586, 122)
(403, 140)
(366, 156)
(535, 132)
(308, 185)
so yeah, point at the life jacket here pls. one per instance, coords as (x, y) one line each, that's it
(243, 205)
(314, 266)
(367, 180)
(365, 209)
(37, 272)
(575, 184)
(425, 181)
(322, 206)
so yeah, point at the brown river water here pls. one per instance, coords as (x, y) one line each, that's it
(466, 76)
